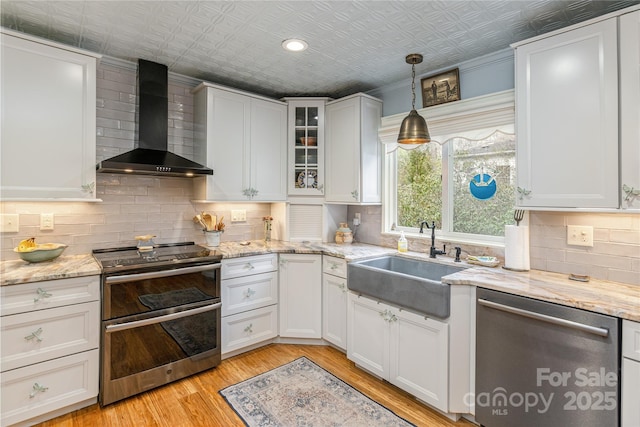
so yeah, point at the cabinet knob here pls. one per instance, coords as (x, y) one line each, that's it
(37, 388)
(343, 287)
(249, 266)
(249, 293)
(35, 335)
(630, 193)
(89, 188)
(355, 194)
(249, 329)
(523, 192)
(41, 294)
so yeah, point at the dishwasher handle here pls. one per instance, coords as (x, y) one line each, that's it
(603, 332)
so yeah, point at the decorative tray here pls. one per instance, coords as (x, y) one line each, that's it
(486, 261)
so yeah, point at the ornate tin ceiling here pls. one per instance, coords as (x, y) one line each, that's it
(353, 45)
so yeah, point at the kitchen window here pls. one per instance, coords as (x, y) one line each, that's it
(464, 180)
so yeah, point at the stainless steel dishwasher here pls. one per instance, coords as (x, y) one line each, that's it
(544, 364)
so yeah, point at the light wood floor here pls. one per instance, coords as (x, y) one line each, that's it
(195, 401)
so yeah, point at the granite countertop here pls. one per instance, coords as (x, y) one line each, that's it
(350, 252)
(600, 296)
(17, 271)
(612, 298)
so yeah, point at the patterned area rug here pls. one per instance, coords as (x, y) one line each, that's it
(301, 393)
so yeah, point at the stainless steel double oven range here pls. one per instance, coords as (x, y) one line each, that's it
(160, 316)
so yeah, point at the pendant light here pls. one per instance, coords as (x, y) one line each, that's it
(413, 129)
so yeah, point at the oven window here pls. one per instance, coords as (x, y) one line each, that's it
(140, 296)
(141, 348)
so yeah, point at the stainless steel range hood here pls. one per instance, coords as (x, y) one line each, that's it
(151, 156)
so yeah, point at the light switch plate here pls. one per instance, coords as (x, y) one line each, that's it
(580, 235)
(9, 223)
(238, 215)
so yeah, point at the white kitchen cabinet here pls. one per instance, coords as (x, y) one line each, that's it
(567, 118)
(630, 110)
(300, 305)
(245, 140)
(408, 350)
(249, 293)
(306, 146)
(630, 386)
(48, 120)
(49, 340)
(353, 156)
(334, 301)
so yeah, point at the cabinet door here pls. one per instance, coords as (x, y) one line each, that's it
(567, 119)
(29, 338)
(419, 357)
(368, 334)
(251, 327)
(227, 137)
(342, 181)
(630, 109)
(48, 122)
(630, 394)
(334, 310)
(300, 295)
(353, 151)
(48, 386)
(268, 151)
(306, 147)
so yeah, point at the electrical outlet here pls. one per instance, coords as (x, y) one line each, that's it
(9, 223)
(238, 215)
(46, 221)
(356, 218)
(580, 235)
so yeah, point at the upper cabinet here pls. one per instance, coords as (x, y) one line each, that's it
(567, 119)
(48, 120)
(353, 153)
(245, 138)
(578, 103)
(306, 146)
(630, 110)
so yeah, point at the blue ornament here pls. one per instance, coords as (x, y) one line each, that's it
(482, 186)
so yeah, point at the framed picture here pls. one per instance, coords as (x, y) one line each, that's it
(440, 88)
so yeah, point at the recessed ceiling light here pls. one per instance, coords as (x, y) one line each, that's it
(295, 45)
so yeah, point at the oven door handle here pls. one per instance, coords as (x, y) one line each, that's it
(603, 332)
(152, 320)
(112, 280)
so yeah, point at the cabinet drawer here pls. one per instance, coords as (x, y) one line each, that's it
(48, 294)
(62, 382)
(244, 266)
(335, 266)
(29, 338)
(251, 327)
(250, 292)
(631, 340)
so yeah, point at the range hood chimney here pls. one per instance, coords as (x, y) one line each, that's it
(151, 155)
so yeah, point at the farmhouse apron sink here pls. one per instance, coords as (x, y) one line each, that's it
(409, 283)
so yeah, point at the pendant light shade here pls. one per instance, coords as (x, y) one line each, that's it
(413, 129)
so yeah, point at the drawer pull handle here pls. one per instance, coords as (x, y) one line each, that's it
(343, 287)
(250, 292)
(34, 335)
(249, 328)
(250, 266)
(41, 294)
(37, 388)
(334, 266)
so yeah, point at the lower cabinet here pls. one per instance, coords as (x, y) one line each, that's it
(408, 350)
(249, 290)
(300, 296)
(630, 393)
(334, 301)
(49, 348)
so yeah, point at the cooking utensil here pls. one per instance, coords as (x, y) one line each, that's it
(518, 215)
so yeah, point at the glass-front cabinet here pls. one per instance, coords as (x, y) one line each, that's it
(306, 146)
